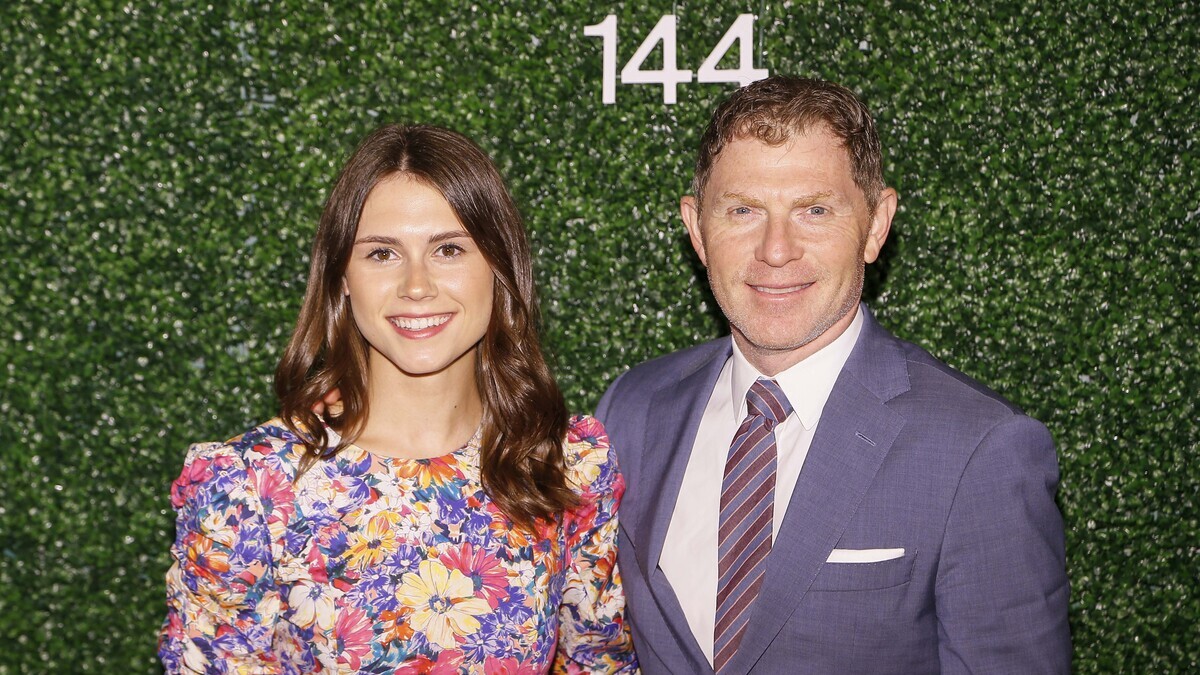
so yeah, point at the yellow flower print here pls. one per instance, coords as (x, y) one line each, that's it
(443, 603)
(584, 463)
(370, 546)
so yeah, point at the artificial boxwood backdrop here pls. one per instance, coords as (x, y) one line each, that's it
(163, 164)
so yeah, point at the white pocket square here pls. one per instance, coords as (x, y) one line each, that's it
(864, 555)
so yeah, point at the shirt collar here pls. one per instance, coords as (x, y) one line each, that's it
(807, 384)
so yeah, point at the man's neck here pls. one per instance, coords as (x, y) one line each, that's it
(771, 362)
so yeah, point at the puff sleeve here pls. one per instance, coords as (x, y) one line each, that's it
(221, 596)
(592, 635)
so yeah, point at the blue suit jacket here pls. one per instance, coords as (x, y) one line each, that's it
(910, 454)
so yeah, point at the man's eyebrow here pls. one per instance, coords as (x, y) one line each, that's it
(741, 199)
(802, 200)
(393, 241)
(806, 200)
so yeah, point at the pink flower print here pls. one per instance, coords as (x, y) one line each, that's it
(275, 492)
(447, 663)
(586, 429)
(318, 566)
(485, 572)
(354, 635)
(508, 666)
(184, 488)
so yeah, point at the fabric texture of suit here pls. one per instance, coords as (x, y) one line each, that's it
(908, 453)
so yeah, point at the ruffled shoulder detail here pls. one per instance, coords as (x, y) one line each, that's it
(591, 464)
(270, 445)
(234, 501)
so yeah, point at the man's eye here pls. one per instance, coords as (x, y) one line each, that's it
(741, 210)
(818, 210)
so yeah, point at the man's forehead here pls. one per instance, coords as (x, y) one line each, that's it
(777, 137)
(817, 147)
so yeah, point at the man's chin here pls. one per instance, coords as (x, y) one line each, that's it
(770, 346)
(789, 346)
(778, 341)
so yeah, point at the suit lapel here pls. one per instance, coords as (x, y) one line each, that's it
(853, 437)
(672, 422)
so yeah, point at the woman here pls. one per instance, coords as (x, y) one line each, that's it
(437, 521)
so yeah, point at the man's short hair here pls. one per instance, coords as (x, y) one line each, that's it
(777, 108)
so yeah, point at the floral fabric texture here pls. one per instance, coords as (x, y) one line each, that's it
(368, 564)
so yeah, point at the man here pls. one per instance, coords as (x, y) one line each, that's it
(815, 495)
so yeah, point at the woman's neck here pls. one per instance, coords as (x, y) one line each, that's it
(421, 416)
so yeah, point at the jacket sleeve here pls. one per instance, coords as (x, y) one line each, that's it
(593, 636)
(222, 602)
(1001, 589)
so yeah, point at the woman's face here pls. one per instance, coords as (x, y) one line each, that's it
(420, 289)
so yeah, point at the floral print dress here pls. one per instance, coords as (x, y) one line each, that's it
(369, 564)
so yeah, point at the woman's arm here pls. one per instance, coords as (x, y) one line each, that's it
(592, 633)
(222, 603)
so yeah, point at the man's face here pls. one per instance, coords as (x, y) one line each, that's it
(785, 234)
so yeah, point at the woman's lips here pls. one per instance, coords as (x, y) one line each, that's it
(420, 326)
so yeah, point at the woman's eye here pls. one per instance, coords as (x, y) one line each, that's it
(382, 254)
(449, 250)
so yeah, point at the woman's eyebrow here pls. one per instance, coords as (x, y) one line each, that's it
(449, 234)
(377, 239)
(394, 241)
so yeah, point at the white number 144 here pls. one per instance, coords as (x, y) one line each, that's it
(670, 76)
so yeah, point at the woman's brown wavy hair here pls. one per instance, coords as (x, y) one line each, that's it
(524, 417)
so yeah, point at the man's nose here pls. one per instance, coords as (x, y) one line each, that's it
(780, 241)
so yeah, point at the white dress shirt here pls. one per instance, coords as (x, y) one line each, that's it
(689, 556)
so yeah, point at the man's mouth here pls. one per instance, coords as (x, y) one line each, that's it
(780, 290)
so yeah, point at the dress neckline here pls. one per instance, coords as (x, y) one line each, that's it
(470, 447)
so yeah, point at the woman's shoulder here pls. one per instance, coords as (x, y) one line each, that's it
(270, 446)
(591, 464)
(271, 442)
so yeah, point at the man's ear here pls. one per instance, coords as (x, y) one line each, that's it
(689, 209)
(881, 224)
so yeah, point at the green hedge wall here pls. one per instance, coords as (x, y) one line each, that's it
(162, 166)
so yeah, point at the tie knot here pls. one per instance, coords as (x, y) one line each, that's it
(766, 399)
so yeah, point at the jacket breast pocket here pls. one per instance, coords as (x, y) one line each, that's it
(864, 576)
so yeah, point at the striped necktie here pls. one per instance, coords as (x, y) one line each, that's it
(747, 509)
